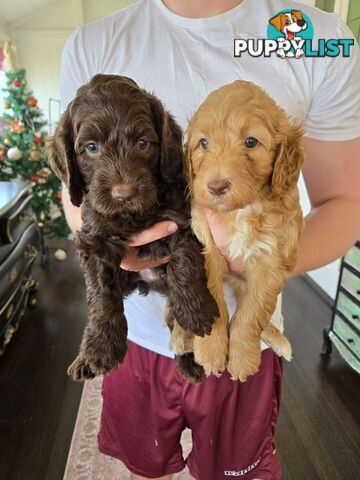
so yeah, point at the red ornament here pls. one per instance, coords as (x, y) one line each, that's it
(3, 153)
(32, 102)
(38, 140)
(34, 178)
(16, 83)
(59, 196)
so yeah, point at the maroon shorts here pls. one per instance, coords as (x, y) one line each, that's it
(147, 404)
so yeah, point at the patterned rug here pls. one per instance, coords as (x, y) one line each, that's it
(85, 462)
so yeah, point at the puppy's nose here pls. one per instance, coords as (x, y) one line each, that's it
(218, 187)
(301, 23)
(123, 191)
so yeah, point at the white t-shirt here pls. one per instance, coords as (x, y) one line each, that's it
(181, 60)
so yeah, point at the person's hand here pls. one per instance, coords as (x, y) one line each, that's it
(221, 240)
(146, 265)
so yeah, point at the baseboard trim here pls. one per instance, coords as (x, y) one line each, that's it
(318, 290)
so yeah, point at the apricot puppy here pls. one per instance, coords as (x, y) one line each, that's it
(244, 159)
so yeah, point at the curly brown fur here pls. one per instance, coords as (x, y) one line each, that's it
(120, 155)
(182, 343)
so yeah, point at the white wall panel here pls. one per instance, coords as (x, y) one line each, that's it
(41, 35)
(41, 59)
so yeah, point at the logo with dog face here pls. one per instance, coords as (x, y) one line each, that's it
(290, 34)
(290, 28)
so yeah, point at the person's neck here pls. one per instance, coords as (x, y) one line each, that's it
(200, 8)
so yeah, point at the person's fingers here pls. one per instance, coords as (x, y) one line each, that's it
(135, 264)
(157, 231)
(148, 275)
(218, 231)
(142, 264)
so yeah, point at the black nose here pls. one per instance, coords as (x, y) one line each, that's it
(218, 187)
(123, 191)
(301, 22)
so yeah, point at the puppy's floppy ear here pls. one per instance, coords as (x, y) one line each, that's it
(188, 167)
(297, 14)
(288, 160)
(171, 150)
(277, 21)
(62, 157)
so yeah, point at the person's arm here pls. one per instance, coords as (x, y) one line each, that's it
(332, 176)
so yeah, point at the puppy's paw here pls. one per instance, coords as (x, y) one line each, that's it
(243, 362)
(97, 359)
(103, 357)
(208, 313)
(212, 351)
(189, 369)
(277, 341)
(195, 322)
(80, 370)
(197, 313)
(283, 348)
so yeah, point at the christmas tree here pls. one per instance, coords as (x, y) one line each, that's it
(22, 155)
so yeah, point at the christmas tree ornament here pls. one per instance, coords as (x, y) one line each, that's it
(3, 153)
(6, 105)
(34, 178)
(44, 172)
(38, 140)
(14, 153)
(58, 196)
(16, 83)
(32, 102)
(60, 255)
(35, 154)
(9, 56)
(54, 211)
(17, 126)
(7, 141)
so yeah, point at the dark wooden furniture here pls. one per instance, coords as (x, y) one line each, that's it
(20, 244)
(344, 331)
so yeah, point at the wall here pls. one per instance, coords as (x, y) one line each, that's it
(4, 32)
(354, 17)
(40, 39)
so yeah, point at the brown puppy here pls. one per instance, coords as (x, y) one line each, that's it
(244, 160)
(120, 155)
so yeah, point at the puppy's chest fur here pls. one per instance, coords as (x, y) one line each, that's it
(251, 231)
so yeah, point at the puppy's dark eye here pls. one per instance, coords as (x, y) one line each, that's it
(204, 143)
(143, 144)
(251, 142)
(287, 21)
(92, 147)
